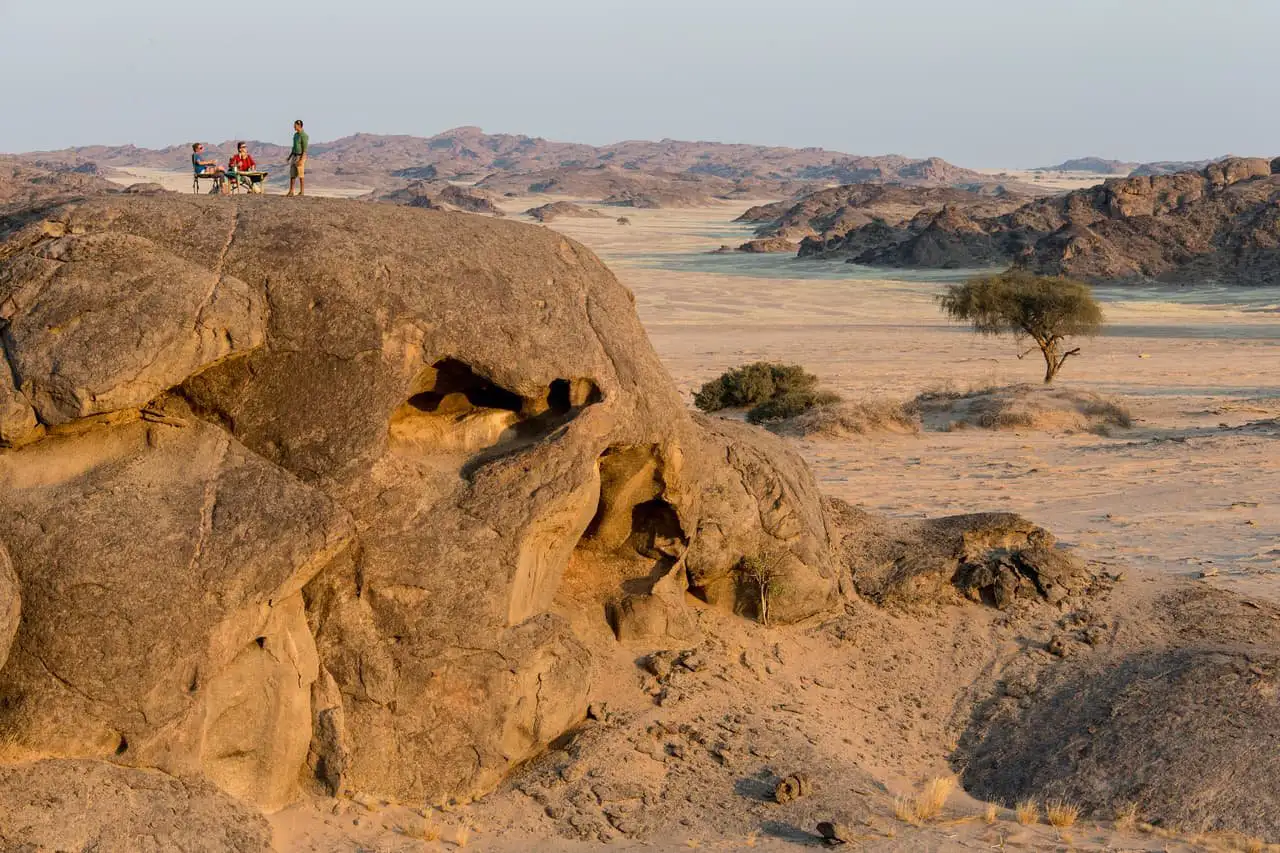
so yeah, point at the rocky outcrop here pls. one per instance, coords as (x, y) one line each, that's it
(348, 487)
(557, 209)
(1211, 224)
(768, 245)
(1170, 720)
(434, 195)
(93, 805)
(992, 558)
(824, 217)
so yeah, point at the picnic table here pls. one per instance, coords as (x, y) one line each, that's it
(256, 178)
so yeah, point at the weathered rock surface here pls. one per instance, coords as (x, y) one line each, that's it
(58, 805)
(10, 605)
(120, 535)
(156, 319)
(995, 558)
(318, 504)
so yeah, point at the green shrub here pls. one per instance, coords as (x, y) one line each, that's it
(753, 384)
(791, 404)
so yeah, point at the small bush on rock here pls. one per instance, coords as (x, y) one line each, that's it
(753, 384)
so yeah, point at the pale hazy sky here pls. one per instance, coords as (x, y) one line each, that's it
(978, 82)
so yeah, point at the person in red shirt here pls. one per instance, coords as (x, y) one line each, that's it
(242, 162)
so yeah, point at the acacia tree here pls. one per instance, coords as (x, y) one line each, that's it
(1046, 309)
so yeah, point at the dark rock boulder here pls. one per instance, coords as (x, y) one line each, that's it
(993, 558)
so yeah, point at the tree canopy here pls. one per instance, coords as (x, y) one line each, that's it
(1044, 308)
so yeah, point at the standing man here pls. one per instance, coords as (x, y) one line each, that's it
(298, 159)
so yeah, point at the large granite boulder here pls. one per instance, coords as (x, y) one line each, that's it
(348, 487)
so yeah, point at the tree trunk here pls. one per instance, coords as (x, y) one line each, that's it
(1051, 361)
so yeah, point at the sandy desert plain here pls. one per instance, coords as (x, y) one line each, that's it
(1188, 490)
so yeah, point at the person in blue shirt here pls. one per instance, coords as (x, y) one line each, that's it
(205, 165)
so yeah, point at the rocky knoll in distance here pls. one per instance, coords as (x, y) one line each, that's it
(314, 497)
(1216, 223)
(556, 209)
(24, 185)
(639, 173)
(839, 210)
(1095, 165)
(440, 195)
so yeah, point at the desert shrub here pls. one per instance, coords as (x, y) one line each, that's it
(753, 384)
(790, 405)
(762, 574)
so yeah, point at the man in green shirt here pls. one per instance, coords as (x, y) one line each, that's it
(298, 159)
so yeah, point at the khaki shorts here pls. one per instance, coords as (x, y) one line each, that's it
(298, 167)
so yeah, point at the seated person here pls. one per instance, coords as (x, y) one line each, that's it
(242, 161)
(205, 166)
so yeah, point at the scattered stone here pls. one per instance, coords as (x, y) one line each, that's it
(792, 787)
(835, 834)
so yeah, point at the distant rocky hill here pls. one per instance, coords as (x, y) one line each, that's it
(557, 209)
(667, 172)
(1172, 167)
(1217, 223)
(444, 196)
(1095, 165)
(829, 214)
(24, 184)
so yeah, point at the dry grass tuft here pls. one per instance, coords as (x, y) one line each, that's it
(423, 830)
(1027, 812)
(928, 804)
(462, 835)
(934, 796)
(991, 814)
(1061, 814)
(1127, 817)
(904, 809)
(752, 837)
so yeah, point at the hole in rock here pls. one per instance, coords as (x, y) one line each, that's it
(123, 746)
(261, 641)
(454, 409)
(635, 538)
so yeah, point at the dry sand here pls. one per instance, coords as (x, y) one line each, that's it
(869, 702)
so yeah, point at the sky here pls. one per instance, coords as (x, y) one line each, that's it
(982, 83)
